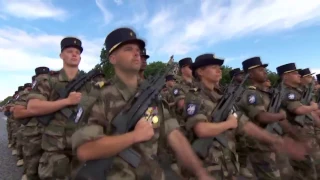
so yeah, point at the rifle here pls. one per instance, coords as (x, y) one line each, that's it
(223, 109)
(306, 99)
(63, 93)
(274, 107)
(146, 94)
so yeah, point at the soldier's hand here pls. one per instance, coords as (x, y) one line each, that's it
(314, 105)
(296, 150)
(143, 131)
(74, 98)
(232, 121)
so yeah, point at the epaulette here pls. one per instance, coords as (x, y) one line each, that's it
(195, 89)
(101, 84)
(252, 87)
(52, 73)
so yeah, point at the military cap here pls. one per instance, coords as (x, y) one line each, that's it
(318, 77)
(144, 53)
(15, 92)
(286, 68)
(185, 62)
(235, 72)
(41, 70)
(170, 77)
(252, 63)
(305, 72)
(71, 42)
(33, 77)
(20, 88)
(26, 85)
(120, 37)
(205, 60)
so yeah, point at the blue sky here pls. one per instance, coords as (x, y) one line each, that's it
(280, 31)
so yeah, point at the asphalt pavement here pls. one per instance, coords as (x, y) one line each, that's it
(8, 167)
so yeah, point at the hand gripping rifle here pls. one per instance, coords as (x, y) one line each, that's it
(219, 114)
(72, 86)
(278, 94)
(125, 122)
(305, 100)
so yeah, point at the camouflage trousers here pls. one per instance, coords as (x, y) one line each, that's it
(304, 170)
(14, 131)
(54, 165)
(286, 170)
(242, 151)
(9, 131)
(20, 142)
(264, 165)
(317, 132)
(32, 153)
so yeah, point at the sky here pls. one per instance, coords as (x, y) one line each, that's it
(279, 31)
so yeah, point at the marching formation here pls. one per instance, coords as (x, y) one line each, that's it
(179, 124)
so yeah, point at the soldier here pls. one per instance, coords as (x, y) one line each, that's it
(32, 132)
(144, 58)
(303, 169)
(170, 82)
(55, 162)
(124, 53)
(200, 103)
(9, 123)
(237, 76)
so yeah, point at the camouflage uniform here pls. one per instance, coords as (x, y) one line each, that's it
(112, 100)
(220, 162)
(302, 169)
(255, 100)
(57, 159)
(15, 125)
(166, 95)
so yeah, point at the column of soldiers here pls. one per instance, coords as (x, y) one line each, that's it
(56, 136)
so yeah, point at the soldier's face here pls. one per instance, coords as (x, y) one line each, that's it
(170, 83)
(239, 77)
(186, 71)
(143, 62)
(259, 74)
(267, 83)
(294, 77)
(127, 58)
(71, 56)
(212, 73)
(307, 79)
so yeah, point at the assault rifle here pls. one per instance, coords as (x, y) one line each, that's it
(223, 109)
(74, 85)
(278, 94)
(305, 100)
(124, 122)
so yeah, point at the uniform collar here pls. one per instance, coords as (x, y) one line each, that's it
(124, 90)
(63, 76)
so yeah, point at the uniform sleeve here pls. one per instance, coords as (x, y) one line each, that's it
(41, 89)
(242, 120)
(170, 122)
(97, 121)
(291, 101)
(177, 93)
(195, 111)
(22, 101)
(252, 104)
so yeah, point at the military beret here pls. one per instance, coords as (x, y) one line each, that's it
(33, 77)
(252, 63)
(286, 68)
(235, 72)
(120, 37)
(27, 85)
(318, 77)
(205, 60)
(20, 88)
(305, 72)
(170, 77)
(144, 53)
(185, 62)
(41, 70)
(71, 42)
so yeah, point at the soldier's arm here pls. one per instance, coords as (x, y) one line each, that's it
(178, 95)
(253, 104)
(198, 121)
(181, 146)
(38, 103)
(90, 141)
(20, 109)
(293, 104)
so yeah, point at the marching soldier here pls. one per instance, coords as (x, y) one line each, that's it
(170, 82)
(303, 169)
(124, 53)
(220, 161)
(144, 58)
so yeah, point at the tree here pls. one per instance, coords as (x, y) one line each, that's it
(226, 79)
(153, 68)
(273, 77)
(107, 67)
(5, 100)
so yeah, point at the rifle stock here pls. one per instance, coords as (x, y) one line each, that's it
(147, 92)
(221, 112)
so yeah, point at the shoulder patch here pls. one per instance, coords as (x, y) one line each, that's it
(291, 96)
(191, 109)
(252, 87)
(176, 91)
(252, 99)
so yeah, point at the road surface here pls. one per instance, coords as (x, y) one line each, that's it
(8, 168)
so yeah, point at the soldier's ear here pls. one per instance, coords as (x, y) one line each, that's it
(112, 58)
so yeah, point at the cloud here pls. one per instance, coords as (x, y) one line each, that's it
(107, 15)
(21, 52)
(118, 2)
(34, 9)
(172, 30)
